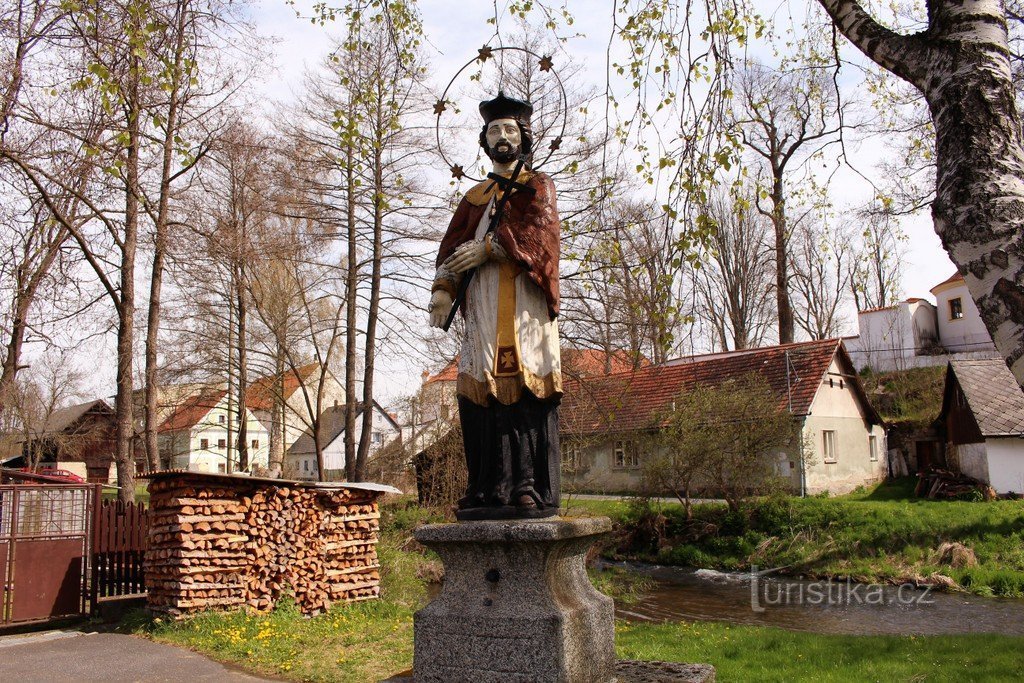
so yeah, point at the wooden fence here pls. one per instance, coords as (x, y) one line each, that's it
(119, 546)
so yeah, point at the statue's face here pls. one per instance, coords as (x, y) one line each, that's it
(504, 140)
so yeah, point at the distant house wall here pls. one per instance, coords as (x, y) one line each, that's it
(302, 464)
(971, 459)
(297, 415)
(967, 333)
(591, 465)
(185, 449)
(836, 409)
(1006, 464)
(895, 338)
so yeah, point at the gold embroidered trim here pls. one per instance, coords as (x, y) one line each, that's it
(481, 193)
(508, 390)
(506, 341)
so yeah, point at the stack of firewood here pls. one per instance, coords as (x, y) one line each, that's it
(223, 544)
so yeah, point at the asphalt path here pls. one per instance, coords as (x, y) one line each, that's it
(80, 656)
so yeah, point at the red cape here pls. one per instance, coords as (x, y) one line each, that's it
(528, 232)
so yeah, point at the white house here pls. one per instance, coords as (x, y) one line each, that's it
(983, 421)
(604, 419)
(300, 461)
(960, 327)
(916, 333)
(201, 434)
(297, 393)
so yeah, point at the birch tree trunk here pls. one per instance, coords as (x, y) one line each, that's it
(960, 63)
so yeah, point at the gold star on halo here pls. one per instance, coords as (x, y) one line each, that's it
(546, 63)
(457, 172)
(440, 107)
(484, 53)
(556, 143)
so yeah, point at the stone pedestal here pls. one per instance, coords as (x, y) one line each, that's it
(516, 605)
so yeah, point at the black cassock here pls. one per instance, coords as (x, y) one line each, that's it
(511, 451)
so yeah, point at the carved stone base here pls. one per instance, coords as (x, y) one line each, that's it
(631, 671)
(516, 605)
(503, 512)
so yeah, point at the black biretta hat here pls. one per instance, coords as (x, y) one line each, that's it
(502, 107)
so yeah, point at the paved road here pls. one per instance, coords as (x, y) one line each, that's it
(82, 657)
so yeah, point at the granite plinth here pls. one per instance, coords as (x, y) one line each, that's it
(635, 671)
(516, 605)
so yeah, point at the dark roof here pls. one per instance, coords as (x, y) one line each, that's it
(630, 401)
(332, 425)
(993, 395)
(61, 419)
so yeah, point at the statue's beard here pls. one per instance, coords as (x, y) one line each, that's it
(505, 152)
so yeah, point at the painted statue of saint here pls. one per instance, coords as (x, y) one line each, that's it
(510, 381)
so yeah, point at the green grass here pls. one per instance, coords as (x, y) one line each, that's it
(141, 493)
(751, 653)
(911, 397)
(370, 641)
(876, 535)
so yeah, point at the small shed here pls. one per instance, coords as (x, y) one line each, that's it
(982, 421)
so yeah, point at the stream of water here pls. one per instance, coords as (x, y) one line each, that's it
(816, 606)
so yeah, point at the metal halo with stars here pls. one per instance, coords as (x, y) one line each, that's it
(545, 63)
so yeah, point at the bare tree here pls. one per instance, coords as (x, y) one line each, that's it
(783, 117)
(734, 281)
(875, 280)
(823, 266)
(628, 294)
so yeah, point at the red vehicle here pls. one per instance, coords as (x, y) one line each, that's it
(55, 473)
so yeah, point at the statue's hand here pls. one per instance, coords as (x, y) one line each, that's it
(440, 306)
(467, 255)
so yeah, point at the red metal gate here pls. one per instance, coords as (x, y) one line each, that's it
(44, 546)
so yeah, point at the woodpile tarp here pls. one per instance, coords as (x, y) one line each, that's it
(222, 541)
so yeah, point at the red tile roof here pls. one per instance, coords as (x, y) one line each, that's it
(260, 394)
(630, 401)
(955, 277)
(189, 413)
(592, 362)
(873, 310)
(575, 363)
(448, 373)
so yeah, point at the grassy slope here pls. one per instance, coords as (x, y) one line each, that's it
(882, 534)
(370, 641)
(751, 653)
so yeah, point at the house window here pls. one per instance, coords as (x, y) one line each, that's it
(625, 456)
(873, 447)
(221, 443)
(572, 458)
(956, 308)
(204, 444)
(221, 419)
(828, 445)
(221, 467)
(377, 437)
(305, 466)
(255, 443)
